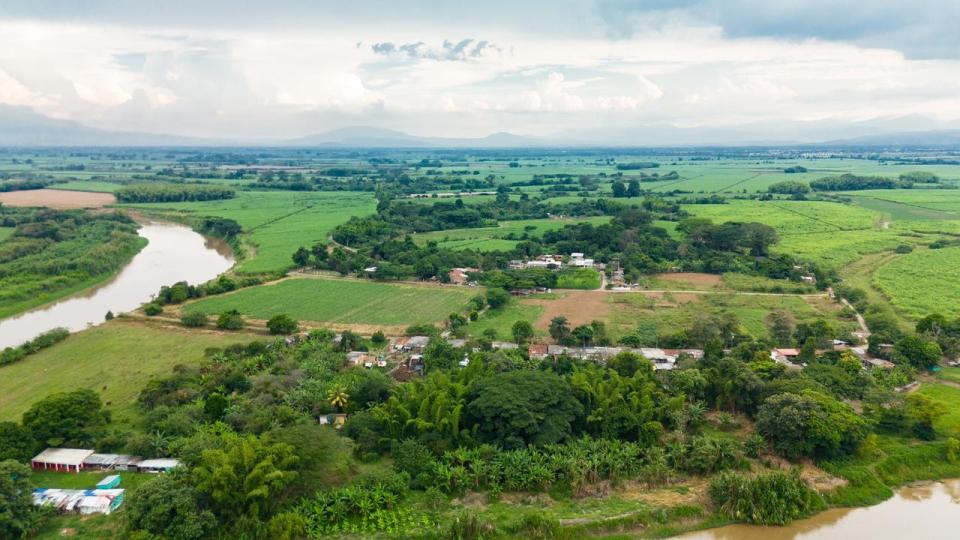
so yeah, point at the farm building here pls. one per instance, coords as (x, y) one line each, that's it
(460, 276)
(82, 501)
(538, 351)
(60, 459)
(117, 462)
(158, 465)
(359, 358)
(411, 344)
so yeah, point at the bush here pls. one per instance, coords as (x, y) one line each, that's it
(194, 319)
(152, 309)
(282, 325)
(230, 320)
(773, 499)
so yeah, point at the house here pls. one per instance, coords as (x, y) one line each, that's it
(460, 276)
(111, 462)
(465, 362)
(60, 459)
(359, 358)
(82, 501)
(577, 260)
(502, 345)
(515, 264)
(784, 355)
(415, 362)
(411, 343)
(538, 351)
(158, 465)
(336, 420)
(545, 261)
(879, 363)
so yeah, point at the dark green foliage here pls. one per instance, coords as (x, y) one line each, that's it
(282, 325)
(19, 518)
(917, 352)
(852, 182)
(149, 193)
(810, 424)
(152, 309)
(167, 506)
(67, 419)
(194, 319)
(230, 320)
(773, 499)
(16, 442)
(515, 409)
(497, 298)
(789, 187)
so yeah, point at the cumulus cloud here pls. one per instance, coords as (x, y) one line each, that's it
(463, 50)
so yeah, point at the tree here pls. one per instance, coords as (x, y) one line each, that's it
(301, 257)
(338, 397)
(19, 518)
(633, 188)
(917, 352)
(215, 406)
(245, 477)
(69, 419)
(810, 424)
(522, 332)
(282, 324)
(782, 325)
(379, 339)
(583, 334)
(167, 506)
(16, 442)
(517, 408)
(808, 353)
(230, 320)
(559, 329)
(619, 189)
(497, 298)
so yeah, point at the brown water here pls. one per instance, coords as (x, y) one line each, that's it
(928, 512)
(174, 253)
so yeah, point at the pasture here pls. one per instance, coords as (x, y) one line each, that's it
(5, 232)
(115, 359)
(344, 301)
(922, 282)
(279, 222)
(504, 236)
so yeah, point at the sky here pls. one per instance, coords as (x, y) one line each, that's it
(286, 68)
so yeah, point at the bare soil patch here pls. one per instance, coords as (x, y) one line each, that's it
(54, 198)
(694, 278)
(579, 307)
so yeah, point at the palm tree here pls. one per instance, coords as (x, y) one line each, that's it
(337, 396)
(559, 328)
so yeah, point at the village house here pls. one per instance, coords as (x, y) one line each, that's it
(60, 459)
(158, 465)
(112, 462)
(81, 501)
(460, 276)
(577, 260)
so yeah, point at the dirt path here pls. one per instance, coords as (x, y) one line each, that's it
(54, 198)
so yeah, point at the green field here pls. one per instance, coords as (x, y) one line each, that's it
(922, 282)
(501, 320)
(343, 301)
(791, 217)
(578, 278)
(6, 232)
(493, 238)
(278, 222)
(115, 359)
(88, 185)
(676, 311)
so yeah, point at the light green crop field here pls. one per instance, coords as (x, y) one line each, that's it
(840, 248)
(922, 282)
(790, 217)
(673, 312)
(578, 278)
(492, 238)
(939, 200)
(501, 320)
(88, 185)
(343, 301)
(115, 359)
(278, 222)
(5, 232)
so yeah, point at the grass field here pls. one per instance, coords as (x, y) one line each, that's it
(501, 320)
(278, 222)
(922, 282)
(6, 232)
(949, 396)
(115, 359)
(791, 217)
(343, 301)
(88, 185)
(578, 278)
(493, 238)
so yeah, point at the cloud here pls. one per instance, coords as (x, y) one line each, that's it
(461, 51)
(919, 28)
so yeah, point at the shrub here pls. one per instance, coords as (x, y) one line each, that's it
(194, 319)
(230, 320)
(152, 309)
(773, 499)
(282, 325)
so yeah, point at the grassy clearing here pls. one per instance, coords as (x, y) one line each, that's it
(791, 217)
(503, 236)
(115, 359)
(501, 320)
(666, 314)
(343, 301)
(922, 282)
(742, 282)
(578, 278)
(840, 248)
(949, 396)
(5, 232)
(278, 222)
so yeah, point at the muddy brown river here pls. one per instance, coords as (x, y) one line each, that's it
(923, 512)
(174, 253)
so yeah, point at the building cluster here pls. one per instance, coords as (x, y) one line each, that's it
(663, 359)
(80, 501)
(76, 460)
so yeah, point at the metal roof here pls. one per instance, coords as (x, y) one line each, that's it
(63, 456)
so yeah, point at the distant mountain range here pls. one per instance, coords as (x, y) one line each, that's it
(21, 126)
